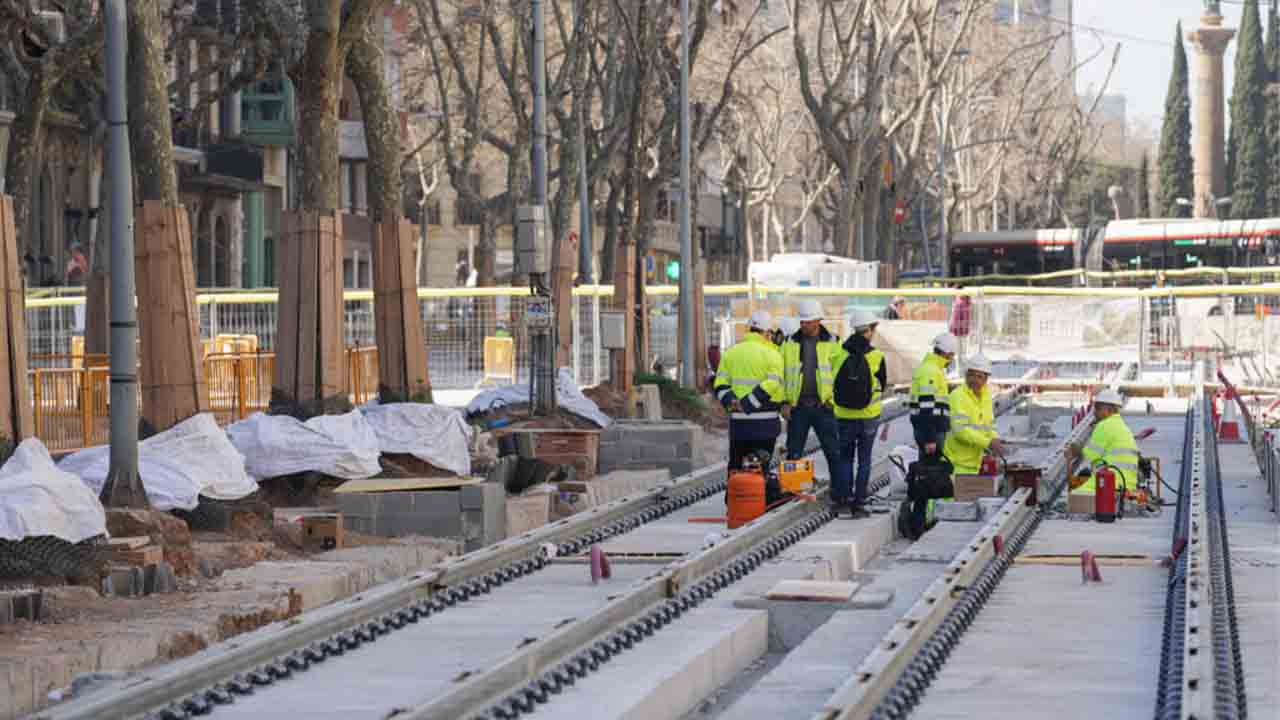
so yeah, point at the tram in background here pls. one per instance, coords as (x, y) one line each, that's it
(1120, 245)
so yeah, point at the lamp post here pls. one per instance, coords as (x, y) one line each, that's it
(688, 374)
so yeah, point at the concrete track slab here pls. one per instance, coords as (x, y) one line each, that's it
(1253, 532)
(669, 673)
(425, 659)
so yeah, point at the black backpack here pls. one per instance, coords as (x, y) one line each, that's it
(928, 478)
(852, 385)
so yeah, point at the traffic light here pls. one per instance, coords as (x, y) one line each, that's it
(673, 270)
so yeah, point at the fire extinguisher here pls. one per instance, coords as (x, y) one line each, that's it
(1106, 496)
(989, 466)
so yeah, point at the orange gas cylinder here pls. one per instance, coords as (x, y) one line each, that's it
(745, 496)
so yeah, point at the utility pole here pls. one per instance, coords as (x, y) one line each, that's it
(123, 487)
(585, 251)
(688, 373)
(532, 222)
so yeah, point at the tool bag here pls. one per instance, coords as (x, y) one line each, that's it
(928, 478)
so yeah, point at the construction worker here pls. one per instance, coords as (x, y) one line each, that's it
(1109, 444)
(787, 327)
(807, 356)
(897, 308)
(749, 386)
(973, 420)
(860, 381)
(929, 404)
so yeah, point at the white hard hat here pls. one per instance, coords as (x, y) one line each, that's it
(947, 343)
(788, 325)
(864, 319)
(979, 363)
(810, 310)
(761, 319)
(1109, 397)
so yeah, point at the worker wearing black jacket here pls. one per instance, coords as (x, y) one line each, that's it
(860, 382)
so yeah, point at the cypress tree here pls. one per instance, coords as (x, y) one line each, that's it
(1248, 152)
(1174, 161)
(1273, 107)
(1144, 195)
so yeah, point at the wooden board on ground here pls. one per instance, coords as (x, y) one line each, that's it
(405, 484)
(813, 590)
(128, 543)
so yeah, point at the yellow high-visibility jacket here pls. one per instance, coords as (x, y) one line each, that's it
(751, 373)
(1111, 443)
(930, 403)
(973, 427)
(793, 367)
(875, 362)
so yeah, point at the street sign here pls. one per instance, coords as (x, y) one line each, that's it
(537, 312)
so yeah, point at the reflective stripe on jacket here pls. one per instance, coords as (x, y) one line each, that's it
(751, 373)
(973, 427)
(875, 361)
(1111, 443)
(793, 366)
(929, 403)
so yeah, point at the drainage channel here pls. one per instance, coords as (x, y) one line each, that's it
(233, 673)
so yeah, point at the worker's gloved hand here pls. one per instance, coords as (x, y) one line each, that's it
(786, 412)
(997, 447)
(1073, 450)
(735, 406)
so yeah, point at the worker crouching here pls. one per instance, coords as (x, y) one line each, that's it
(860, 380)
(1110, 444)
(749, 386)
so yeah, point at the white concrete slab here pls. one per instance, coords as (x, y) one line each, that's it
(669, 673)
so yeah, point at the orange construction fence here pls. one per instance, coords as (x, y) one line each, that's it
(72, 402)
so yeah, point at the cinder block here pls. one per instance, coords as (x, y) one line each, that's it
(988, 507)
(956, 511)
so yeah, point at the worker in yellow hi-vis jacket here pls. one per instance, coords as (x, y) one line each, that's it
(749, 386)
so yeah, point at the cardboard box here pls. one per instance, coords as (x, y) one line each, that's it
(1080, 503)
(322, 532)
(972, 487)
(138, 557)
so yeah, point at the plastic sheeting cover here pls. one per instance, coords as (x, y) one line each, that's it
(177, 466)
(568, 397)
(343, 446)
(37, 498)
(432, 433)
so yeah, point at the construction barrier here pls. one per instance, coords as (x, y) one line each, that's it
(72, 403)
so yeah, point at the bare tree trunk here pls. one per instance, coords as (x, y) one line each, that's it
(150, 130)
(26, 152)
(612, 221)
(402, 353)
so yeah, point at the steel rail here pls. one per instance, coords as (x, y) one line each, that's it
(890, 681)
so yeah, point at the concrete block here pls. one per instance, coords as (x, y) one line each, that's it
(813, 590)
(956, 511)
(988, 507)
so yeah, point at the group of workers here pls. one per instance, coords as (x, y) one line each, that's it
(816, 382)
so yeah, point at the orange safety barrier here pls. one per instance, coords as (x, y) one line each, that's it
(71, 402)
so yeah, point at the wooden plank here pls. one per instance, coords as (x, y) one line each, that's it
(416, 369)
(307, 286)
(388, 306)
(16, 334)
(403, 484)
(331, 349)
(286, 375)
(9, 383)
(191, 329)
(128, 543)
(813, 590)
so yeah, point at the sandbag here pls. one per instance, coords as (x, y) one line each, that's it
(431, 433)
(39, 499)
(342, 446)
(177, 466)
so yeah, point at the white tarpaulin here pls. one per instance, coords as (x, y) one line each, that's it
(190, 459)
(568, 396)
(432, 433)
(342, 446)
(37, 498)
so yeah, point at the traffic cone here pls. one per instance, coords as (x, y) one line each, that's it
(1229, 426)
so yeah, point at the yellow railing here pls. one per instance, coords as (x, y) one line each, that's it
(71, 401)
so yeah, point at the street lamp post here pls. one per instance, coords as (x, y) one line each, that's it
(688, 374)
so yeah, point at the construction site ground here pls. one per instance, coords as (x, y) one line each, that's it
(236, 583)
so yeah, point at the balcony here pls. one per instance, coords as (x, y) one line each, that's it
(267, 112)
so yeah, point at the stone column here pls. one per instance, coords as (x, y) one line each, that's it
(1208, 144)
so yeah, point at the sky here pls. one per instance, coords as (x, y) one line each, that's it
(1144, 31)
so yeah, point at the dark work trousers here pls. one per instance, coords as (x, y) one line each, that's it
(740, 447)
(822, 420)
(857, 436)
